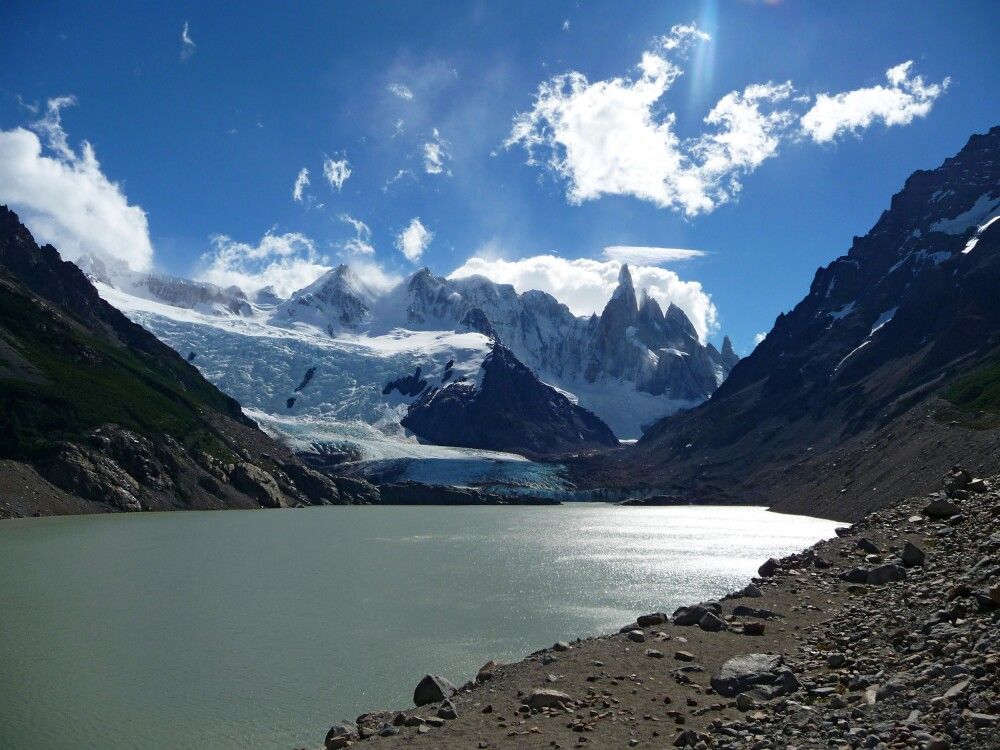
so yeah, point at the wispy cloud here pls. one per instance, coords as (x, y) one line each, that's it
(336, 172)
(403, 92)
(188, 46)
(650, 256)
(585, 285)
(616, 136)
(361, 242)
(65, 198)
(905, 98)
(301, 182)
(436, 154)
(413, 240)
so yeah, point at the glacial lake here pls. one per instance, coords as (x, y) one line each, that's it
(259, 629)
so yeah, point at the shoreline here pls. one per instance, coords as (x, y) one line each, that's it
(662, 680)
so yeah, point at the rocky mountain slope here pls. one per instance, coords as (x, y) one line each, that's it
(507, 409)
(99, 415)
(841, 400)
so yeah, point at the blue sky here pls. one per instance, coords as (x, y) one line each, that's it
(207, 138)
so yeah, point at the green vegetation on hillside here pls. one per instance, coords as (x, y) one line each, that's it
(979, 391)
(87, 379)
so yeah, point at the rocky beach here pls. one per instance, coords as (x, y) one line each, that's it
(884, 637)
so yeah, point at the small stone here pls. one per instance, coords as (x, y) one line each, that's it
(753, 628)
(868, 545)
(545, 698)
(652, 653)
(683, 656)
(745, 703)
(447, 711)
(835, 660)
(560, 646)
(636, 636)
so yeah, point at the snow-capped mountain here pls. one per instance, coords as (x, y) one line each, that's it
(630, 365)
(340, 366)
(174, 291)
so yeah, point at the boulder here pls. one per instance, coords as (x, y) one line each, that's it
(939, 507)
(761, 614)
(340, 735)
(257, 483)
(912, 555)
(656, 618)
(711, 622)
(636, 636)
(447, 711)
(855, 575)
(769, 568)
(432, 689)
(546, 698)
(753, 628)
(766, 671)
(689, 615)
(886, 574)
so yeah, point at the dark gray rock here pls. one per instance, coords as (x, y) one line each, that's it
(432, 689)
(886, 574)
(741, 673)
(912, 555)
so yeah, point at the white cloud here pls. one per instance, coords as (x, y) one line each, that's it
(285, 262)
(758, 337)
(336, 172)
(905, 98)
(301, 182)
(402, 174)
(413, 240)
(652, 256)
(616, 136)
(361, 242)
(586, 285)
(435, 154)
(65, 199)
(403, 92)
(565, 24)
(187, 43)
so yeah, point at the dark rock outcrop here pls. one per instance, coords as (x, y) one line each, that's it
(509, 409)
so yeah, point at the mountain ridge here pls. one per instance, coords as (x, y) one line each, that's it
(856, 367)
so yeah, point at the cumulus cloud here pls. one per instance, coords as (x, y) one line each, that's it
(65, 199)
(187, 43)
(403, 92)
(905, 98)
(361, 242)
(413, 240)
(758, 337)
(436, 154)
(585, 285)
(336, 172)
(301, 182)
(285, 262)
(652, 256)
(617, 137)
